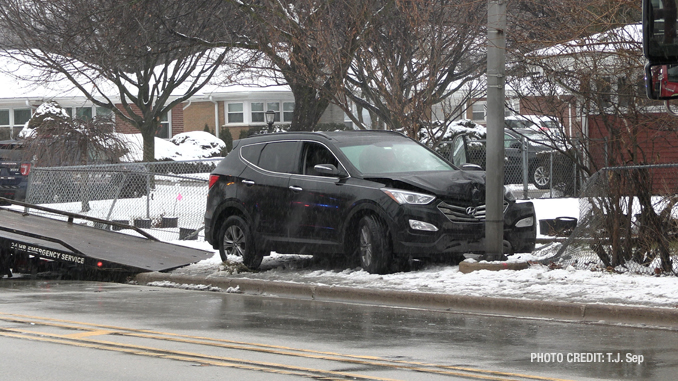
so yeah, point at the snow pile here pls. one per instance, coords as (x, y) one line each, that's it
(538, 282)
(202, 142)
(199, 287)
(193, 145)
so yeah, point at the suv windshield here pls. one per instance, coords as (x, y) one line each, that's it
(394, 156)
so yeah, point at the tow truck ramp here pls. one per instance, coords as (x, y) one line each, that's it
(35, 244)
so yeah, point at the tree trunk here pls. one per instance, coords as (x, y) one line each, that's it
(308, 108)
(148, 130)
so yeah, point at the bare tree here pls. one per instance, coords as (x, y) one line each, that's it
(594, 83)
(308, 45)
(127, 57)
(417, 55)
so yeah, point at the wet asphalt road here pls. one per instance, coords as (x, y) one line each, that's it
(74, 330)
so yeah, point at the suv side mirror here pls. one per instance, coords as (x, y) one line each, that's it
(471, 167)
(327, 170)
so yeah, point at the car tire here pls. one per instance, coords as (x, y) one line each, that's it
(540, 176)
(235, 238)
(374, 249)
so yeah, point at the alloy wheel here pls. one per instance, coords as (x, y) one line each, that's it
(366, 246)
(234, 241)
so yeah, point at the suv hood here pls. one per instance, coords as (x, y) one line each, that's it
(459, 185)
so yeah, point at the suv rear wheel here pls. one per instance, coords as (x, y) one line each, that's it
(374, 250)
(235, 238)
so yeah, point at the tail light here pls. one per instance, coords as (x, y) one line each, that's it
(25, 169)
(213, 180)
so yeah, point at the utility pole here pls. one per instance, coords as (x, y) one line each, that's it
(496, 67)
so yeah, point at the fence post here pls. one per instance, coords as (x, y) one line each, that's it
(526, 169)
(117, 195)
(28, 183)
(551, 174)
(148, 194)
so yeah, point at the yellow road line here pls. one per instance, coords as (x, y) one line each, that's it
(95, 329)
(87, 334)
(189, 356)
(150, 354)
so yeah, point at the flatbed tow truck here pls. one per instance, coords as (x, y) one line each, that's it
(36, 245)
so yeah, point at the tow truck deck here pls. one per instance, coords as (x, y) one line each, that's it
(34, 243)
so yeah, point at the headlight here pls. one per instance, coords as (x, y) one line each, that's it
(404, 197)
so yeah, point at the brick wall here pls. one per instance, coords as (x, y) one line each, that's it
(177, 119)
(197, 114)
(655, 142)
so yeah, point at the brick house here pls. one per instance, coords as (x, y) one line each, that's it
(236, 108)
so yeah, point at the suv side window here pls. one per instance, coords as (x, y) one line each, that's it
(279, 157)
(314, 154)
(251, 152)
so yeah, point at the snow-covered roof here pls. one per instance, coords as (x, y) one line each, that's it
(20, 83)
(628, 37)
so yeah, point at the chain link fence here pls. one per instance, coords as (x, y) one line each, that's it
(168, 198)
(628, 222)
(528, 165)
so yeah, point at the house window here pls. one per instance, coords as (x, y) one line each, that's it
(84, 113)
(257, 112)
(4, 117)
(288, 111)
(275, 107)
(478, 110)
(21, 116)
(164, 131)
(5, 130)
(103, 112)
(235, 113)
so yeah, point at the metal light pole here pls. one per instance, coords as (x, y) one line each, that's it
(494, 193)
(270, 118)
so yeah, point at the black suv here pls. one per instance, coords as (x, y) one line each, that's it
(377, 194)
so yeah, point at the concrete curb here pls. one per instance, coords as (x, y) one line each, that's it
(659, 317)
(467, 267)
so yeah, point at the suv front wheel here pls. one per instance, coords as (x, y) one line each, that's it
(374, 250)
(235, 238)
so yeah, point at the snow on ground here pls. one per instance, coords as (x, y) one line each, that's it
(538, 282)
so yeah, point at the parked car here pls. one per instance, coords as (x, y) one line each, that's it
(466, 148)
(546, 125)
(67, 184)
(376, 194)
(13, 172)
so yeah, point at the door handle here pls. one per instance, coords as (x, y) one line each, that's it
(248, 182)
(296, 189)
